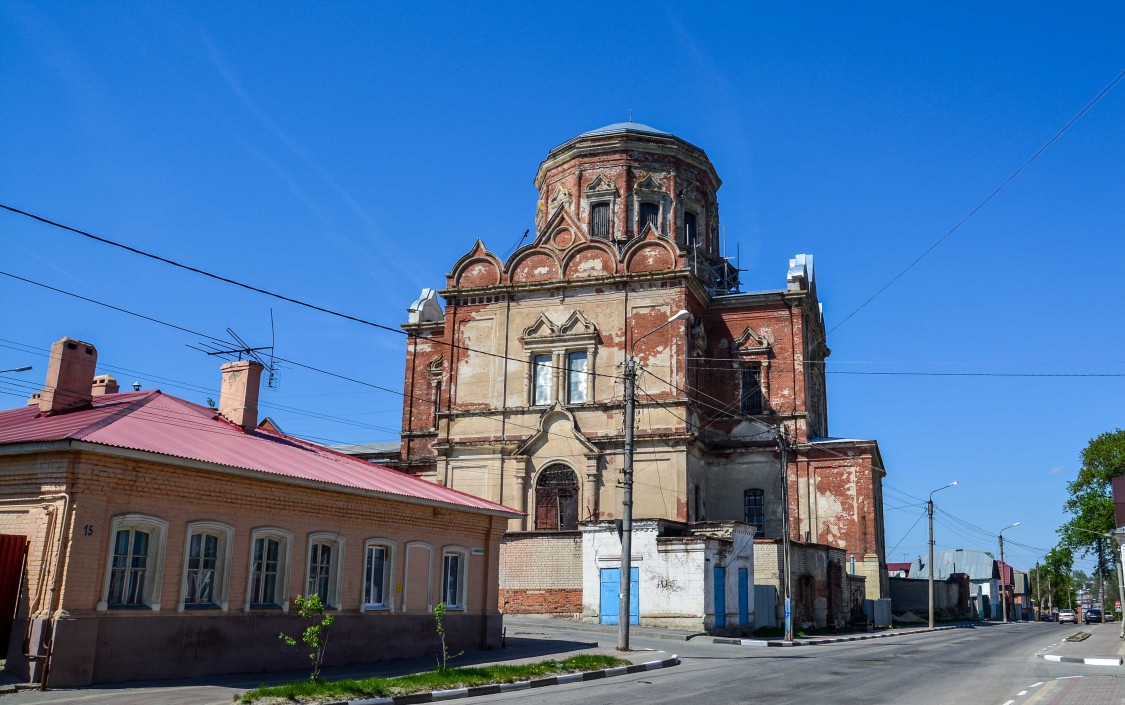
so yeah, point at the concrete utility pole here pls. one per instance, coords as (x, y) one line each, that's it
(786, 557)
(1004, 572)
(1038, 590)
(623, 612)
(630, 374)
(930, 569)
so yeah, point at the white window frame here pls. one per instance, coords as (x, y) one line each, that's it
(284, 557)
(388, 603)
(462, 578)
(550, 388)
(220, 590)
(154, 562)
(336, 543)
(585, 374)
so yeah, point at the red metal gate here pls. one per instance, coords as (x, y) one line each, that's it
(13, 550)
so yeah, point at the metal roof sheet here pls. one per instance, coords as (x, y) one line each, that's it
(977, 564)
(160, 423)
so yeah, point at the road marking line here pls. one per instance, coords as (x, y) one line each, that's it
(1009, 702)
(1021, 693)
(1036, 685)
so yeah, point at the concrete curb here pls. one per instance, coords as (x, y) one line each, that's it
(440, 695)
(1089, 661)
(831, 640)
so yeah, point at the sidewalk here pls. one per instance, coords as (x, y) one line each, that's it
(1104, 647)
(526, 625)
(221, 690)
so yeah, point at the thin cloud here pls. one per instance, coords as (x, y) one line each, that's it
(1057, 469)
(391, 256)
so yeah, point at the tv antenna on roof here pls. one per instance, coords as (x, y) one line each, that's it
(244, 351)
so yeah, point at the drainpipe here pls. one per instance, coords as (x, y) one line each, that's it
(53, 588)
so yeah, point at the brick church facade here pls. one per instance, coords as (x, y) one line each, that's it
(514, 389)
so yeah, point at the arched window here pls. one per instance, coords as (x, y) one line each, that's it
(755, 503)
(556, 500)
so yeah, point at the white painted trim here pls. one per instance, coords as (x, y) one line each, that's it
(462, 587)
(336, 541)
(388, 577)
(154, 564)
(222, 564)
(285, 555)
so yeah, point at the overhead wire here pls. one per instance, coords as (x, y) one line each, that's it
(1063, 130)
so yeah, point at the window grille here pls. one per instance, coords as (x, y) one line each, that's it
(556, 500)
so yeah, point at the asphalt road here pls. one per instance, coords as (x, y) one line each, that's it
(978, 665)
(991, 664)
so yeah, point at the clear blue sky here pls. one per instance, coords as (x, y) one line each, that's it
(349, 153)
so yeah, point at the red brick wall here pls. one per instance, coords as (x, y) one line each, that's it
(564, 601)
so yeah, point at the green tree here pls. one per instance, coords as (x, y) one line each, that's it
(1052, 579)
(317, 627)
(1091, 501)
(443, 654)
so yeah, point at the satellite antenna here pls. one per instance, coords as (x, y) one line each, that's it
(241, 350)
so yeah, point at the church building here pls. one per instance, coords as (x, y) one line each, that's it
(514, 388)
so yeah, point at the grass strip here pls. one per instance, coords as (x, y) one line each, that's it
(350, 688)
(1078, 636)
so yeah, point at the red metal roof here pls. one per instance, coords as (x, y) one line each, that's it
(159, 423)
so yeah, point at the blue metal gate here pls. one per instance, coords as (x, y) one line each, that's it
(743, 597)
(609, 609)
(720, 597)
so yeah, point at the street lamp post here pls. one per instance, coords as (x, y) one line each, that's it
(1004, 572)
(25, 368)
(1118, 535)
(630, 374)
(930, 511)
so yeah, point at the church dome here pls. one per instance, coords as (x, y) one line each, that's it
(626, 127)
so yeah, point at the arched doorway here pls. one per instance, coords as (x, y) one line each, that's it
(556, 499)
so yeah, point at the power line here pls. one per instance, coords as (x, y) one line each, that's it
(1063, 130)
(257, 289)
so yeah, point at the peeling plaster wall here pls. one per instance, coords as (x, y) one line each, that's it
(675, 574)
(696, 453)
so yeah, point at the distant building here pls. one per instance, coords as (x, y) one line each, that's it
(985, 577)
(164, 539)
(514, 392)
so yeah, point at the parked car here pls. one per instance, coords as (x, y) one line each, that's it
(1047, 617)
(1067, 616)
(1109, 616)
(1093, 615)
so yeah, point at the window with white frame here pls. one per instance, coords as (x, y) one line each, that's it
(576, 377)
(135, 565)
(378, 569)
(454, 565)
(206, 565)
(268, 586)
(323, 567)
(541, 380)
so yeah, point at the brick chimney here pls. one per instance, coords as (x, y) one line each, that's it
(104, 384)
(238, 399)
(70, 376)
